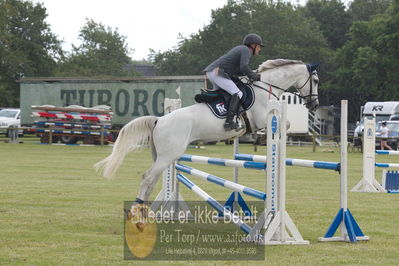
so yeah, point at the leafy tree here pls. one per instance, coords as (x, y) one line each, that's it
(334, 21)
(365, 9)
(286, 34)
(28, 48)
(227, 28)
(367, 64)
(103, 52)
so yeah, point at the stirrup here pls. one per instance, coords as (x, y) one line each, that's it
(231, 126)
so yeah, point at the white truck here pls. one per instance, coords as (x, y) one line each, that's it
(382, 111)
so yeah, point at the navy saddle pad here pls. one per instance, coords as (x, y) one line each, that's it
(218, 101)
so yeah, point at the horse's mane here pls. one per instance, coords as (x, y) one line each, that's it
(270, 64)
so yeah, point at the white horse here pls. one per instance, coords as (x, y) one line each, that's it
(170, 135)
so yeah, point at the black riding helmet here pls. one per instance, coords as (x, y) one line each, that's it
(252, 38)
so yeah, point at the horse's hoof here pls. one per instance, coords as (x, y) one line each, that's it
(140, 226)
(129, 215)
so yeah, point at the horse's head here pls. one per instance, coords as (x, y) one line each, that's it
(281, 74)
(308, 85)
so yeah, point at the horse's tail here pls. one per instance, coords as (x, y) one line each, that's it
(132, 137)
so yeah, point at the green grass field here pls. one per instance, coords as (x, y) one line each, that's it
(54, 209)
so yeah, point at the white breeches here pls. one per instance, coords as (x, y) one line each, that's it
(223, 83)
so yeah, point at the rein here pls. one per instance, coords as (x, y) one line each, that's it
(286, 90)
(268, 91)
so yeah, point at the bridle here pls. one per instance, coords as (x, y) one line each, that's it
(308, 98)
(310, 95)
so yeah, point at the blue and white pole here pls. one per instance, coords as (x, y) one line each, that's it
(212, 202)
(387, 165)
(222, 162)
(291, 162)
(222, 182)
(387, 152)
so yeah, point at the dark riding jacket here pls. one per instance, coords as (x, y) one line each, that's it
(234, 63)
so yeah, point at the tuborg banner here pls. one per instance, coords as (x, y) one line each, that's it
(128, 98)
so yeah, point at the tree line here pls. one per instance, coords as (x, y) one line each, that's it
(357, 44)
(28, 48)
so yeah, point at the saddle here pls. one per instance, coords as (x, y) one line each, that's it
(218, 100)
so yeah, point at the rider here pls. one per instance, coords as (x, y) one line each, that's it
(232, 64)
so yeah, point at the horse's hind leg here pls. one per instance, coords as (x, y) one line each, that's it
(168, 144)
(150, 178)
(153, 152)
(164, 157)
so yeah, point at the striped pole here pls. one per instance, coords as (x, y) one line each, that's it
(212, 202)
(62, 124)
(387, 165)
(222, 162)
(222, 182)
(291, 162)
(387, 152)
(66, 131)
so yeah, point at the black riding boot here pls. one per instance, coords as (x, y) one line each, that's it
(233, 108)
